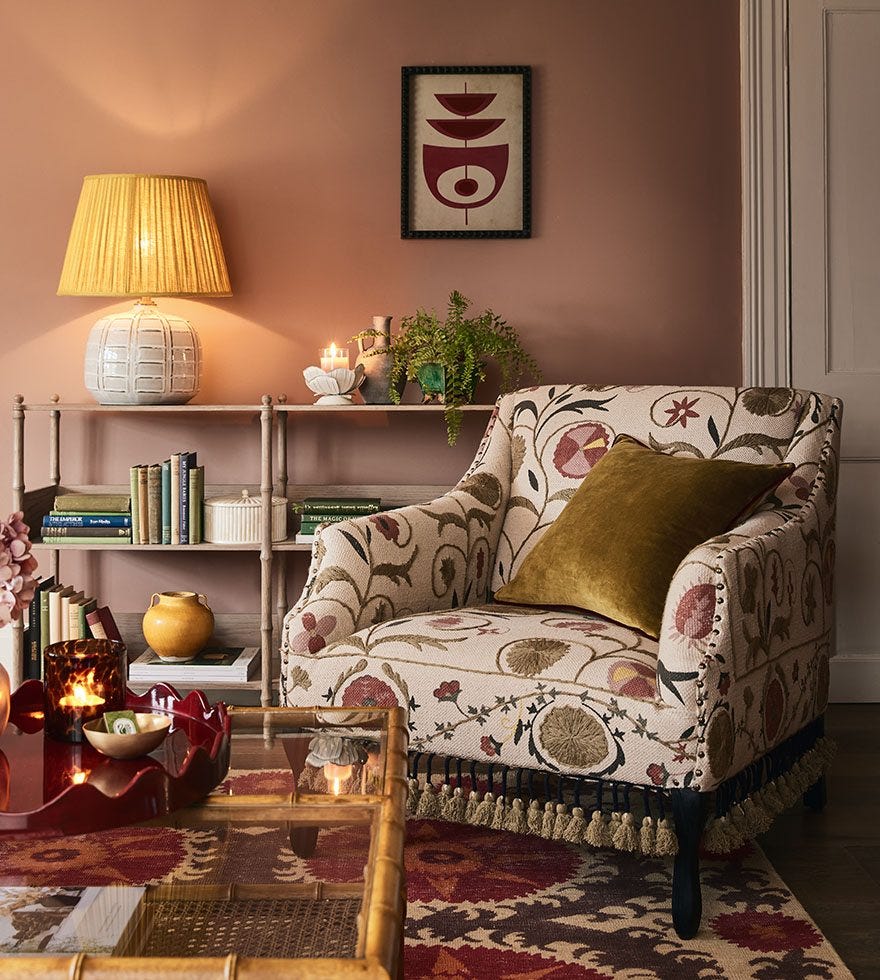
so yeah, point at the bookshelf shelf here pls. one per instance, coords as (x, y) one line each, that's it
(274, 480)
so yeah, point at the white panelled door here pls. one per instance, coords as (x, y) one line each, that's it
(834, 104)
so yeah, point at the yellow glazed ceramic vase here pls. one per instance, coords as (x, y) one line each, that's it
(178, 626)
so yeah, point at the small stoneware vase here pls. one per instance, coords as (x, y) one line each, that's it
(375, 355)
(178, 626)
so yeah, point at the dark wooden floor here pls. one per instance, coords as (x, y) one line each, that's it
(831, 860)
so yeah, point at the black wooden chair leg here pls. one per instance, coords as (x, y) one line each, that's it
(816, 796)
(689, 809)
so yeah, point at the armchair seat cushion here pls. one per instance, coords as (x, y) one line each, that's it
(513, 685)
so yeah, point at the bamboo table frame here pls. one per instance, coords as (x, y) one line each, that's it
(380, 922)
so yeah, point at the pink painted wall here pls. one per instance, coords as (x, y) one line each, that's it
(291, 112)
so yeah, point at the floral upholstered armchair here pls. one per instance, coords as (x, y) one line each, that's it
(565, 724)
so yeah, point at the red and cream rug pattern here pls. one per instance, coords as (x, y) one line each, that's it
(489, 904)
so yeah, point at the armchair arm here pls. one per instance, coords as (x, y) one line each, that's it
(418, 558)
(748, 629)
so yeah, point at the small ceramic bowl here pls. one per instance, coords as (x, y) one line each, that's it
(153, 729)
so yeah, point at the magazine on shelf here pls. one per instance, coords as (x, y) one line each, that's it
(232, 664)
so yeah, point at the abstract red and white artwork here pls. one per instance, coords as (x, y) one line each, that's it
(466, 152)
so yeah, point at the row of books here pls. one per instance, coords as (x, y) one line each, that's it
(95, 518)
(167, 501)
(331, 510)
(59, 612)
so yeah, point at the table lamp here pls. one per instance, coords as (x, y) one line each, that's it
(144, 236)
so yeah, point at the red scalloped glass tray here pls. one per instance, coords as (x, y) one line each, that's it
(49, 787)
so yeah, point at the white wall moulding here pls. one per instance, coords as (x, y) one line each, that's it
(855, 677)
(765, 192)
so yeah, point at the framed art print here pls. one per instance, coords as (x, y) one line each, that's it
(466, 152)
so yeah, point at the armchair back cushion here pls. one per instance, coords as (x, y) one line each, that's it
(559, 432)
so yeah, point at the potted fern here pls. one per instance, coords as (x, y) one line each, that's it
(448, 357)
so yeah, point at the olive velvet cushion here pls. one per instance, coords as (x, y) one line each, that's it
(615, 547)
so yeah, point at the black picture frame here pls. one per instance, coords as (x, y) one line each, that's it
(424, 210)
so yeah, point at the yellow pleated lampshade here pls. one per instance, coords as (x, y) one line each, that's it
(144, 235)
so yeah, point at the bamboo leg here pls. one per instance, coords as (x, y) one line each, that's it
(54, 470)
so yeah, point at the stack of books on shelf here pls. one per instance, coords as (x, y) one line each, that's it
(214, 665)
(88, 518)
(331, 510)
(167, 501)
(58, 612)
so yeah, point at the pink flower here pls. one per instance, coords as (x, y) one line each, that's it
(490, 746)
(633, 679)
(446, 622)
(367, 691)
(387, 526)
(17, 565)
(448, 691)
(694, 612)
(801, 487)
(314, 633)
(657, 773)
(579, 449)
(681, 412)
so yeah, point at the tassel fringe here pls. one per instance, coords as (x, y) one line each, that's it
(741, 820)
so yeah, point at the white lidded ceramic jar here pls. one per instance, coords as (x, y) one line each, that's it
(237, 519)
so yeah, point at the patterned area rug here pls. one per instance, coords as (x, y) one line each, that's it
(490, 904)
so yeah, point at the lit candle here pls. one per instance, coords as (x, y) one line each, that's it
(333, 357)
(82, 694)
(81, 680)
(336, 776)
(79, 776)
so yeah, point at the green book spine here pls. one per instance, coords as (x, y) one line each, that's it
(135, 510)
(195, 502)
(342, 505)
(154, 502)
(166, 502)
(308, 517)
(84, 608)
(76, 539)
(85, 503)
(143, 535)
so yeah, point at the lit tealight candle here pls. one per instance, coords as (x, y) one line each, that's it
(81, 696)
(333, 357)
(336, 776)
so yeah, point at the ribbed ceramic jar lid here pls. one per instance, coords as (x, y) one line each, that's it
(242, 500)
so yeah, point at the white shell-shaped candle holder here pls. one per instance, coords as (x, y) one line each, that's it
(334, 387)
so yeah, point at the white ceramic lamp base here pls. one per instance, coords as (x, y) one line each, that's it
(143, 356)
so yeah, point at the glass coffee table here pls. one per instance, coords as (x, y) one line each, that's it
(291, 867)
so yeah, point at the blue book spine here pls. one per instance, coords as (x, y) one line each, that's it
(68, 520)
(187, 461)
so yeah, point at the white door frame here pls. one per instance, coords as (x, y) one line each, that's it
(766, 265)
(766, 253)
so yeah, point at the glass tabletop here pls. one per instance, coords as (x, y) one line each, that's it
(278, 861)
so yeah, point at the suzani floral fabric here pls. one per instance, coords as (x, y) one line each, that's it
(397, 607)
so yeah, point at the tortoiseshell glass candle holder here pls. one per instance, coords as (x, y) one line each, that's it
(81, 680)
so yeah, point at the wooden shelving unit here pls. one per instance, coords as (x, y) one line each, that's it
(275, 480)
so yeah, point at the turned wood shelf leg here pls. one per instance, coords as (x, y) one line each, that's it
(689, 809)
